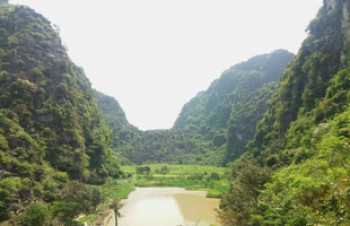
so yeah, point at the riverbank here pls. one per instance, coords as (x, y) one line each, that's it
(163, 206)
(213, 180)
(111, 190)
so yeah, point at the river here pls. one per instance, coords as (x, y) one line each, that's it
(167, 207)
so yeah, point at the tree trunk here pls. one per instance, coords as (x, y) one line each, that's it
(116, 216)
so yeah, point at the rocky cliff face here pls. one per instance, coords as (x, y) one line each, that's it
(346, 28)
(329, 4)
(342, 8)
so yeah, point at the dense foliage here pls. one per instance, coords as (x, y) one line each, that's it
(226, 113)
(123, 133)
(288, 140)
(51, 133)
(303, 138)
(305, 81)
(156, 146)
(243, 121)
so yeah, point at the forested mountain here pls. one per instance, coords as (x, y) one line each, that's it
(297, 170)
(233, 104)
(134, 146)
(212, 108)
(231, 107)
(282, 124)
(172, 146)
(52, 137)
(123, 133)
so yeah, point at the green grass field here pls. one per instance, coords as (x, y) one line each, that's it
(191, 177)
(180, 169)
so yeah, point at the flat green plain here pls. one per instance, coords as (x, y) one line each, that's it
(191, 177)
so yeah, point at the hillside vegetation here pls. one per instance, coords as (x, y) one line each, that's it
(212, 128)
(280, 122)
(52, 138)
(297, 167)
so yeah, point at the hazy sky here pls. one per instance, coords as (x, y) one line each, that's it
(153, 56)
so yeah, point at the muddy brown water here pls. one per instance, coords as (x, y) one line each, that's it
(167, 207)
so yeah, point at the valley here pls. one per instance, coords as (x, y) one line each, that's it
(267, 142)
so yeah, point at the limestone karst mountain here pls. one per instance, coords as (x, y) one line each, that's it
(297, 167)
(52, 137)
(213, 127)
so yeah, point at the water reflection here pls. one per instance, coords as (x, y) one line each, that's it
(167, 207)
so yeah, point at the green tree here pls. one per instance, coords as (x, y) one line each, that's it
(241, 201)
(143, 170)
(214, 176)
(65, 211)
(116, 206)
(36, 214)
(164, 169)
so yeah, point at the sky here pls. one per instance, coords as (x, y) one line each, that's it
(153, 56)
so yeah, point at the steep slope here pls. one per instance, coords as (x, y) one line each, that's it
(50, 129)
(158, 146)
(213, 106)
(304, 83)
(232, 105)
(234, 102)
(301, 148)
(122, 130)
(243, 121)
(125, 137)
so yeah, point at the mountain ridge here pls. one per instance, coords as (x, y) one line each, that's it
(53, 140)
(199, 135)
(281, 123)
(296, 167)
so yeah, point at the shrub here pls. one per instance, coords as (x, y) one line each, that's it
(36, 214)
(143, 170)
(164, 169)
(214, 176)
